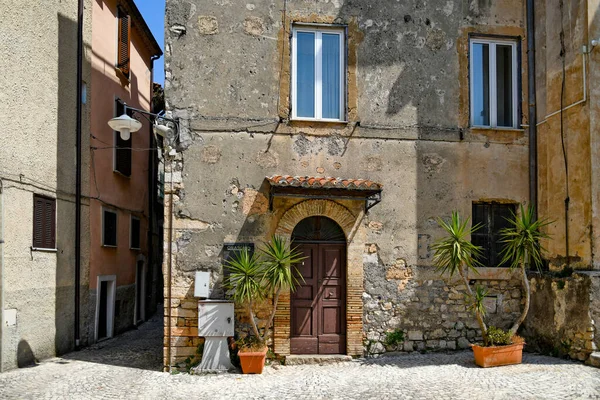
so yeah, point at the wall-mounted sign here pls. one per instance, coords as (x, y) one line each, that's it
(229, 249)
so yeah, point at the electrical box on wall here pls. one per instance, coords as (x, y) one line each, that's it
(202, 284)
(215, 318)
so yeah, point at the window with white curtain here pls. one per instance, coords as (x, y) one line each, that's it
(494, 77)
(318, 73)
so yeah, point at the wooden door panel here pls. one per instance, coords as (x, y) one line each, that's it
(303, 325)
(331, 292)
(332, 260)
(303, 312)
(332, 298)
(318, 306)
(330, 320)
(304, 292)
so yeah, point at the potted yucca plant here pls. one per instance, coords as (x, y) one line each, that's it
(254, 278)
(456, 254)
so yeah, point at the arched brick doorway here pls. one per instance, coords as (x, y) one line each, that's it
(318, 306)
(355, 234)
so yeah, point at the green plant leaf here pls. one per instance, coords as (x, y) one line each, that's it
(279, 259)
(245, 280)
(455, 250)
(475, 302)
(521, 240)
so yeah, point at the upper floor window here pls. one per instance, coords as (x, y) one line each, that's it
(493, 74)
(492, 217)
(318, 73)
(44, 222)
(134, 235)
(123, 41)
(123, 153)
(109, 228)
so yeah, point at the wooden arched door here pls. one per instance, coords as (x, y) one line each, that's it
(318, 306)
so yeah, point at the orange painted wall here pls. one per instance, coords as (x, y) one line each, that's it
(127, 195)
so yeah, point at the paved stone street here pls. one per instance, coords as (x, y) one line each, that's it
(128, 367)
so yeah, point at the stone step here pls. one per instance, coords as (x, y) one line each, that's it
(594, 359)
(319, 359)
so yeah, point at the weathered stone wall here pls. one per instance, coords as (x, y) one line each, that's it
(563, 34)
(227, 80)
(432, 313)
(563, 317)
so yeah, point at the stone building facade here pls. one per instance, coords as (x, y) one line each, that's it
(249, 165)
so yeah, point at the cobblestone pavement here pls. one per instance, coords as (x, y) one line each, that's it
(128, 367)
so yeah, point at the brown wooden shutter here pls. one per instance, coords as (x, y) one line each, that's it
(123, 162)
(123, 147)
(44, 222)
(124, 42)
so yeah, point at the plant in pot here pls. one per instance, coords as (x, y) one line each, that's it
(456, 254)
(254, 278)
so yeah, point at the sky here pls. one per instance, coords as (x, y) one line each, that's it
(153, 12)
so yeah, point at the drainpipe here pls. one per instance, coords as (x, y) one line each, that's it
(1, 275)
(151, 188)
(78, 171)
(169, 272)
(533, 156)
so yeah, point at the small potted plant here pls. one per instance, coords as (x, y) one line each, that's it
(254, 278)
(456, 254)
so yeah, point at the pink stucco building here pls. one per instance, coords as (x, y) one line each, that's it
(122, 279)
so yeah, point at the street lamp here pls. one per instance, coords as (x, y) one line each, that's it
(124, 124)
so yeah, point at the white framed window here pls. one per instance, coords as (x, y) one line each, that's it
(109, 228)
(494, 83)
(318, 73)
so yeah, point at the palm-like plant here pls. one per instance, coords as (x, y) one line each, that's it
(454, 253)
(522, 247)
(245, 282)
(253, 278)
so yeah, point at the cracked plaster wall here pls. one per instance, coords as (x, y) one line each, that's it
(226, 74)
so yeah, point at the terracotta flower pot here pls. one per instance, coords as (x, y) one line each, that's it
(252, 362)
(495, 356)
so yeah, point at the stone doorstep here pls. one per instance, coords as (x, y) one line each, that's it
(594, 359)
(319, 359)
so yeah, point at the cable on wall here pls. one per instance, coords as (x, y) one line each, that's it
(562, 129)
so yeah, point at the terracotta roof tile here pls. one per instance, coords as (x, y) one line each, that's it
(322, 182)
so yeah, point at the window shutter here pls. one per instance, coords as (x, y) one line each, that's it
(38, 221)
(110, 228)
(135, 233)
(123, 162)
(44, 222)
(123, 147)
(123, 42)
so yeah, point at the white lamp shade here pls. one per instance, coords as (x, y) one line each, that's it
(124, 124)
(125, 133)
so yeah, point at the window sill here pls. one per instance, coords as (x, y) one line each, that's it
(125, 80)
(43, 249)
(121, 174)
(135, 248)
(492, 274)
(109, 246)
(491, 129)
(325, 121)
